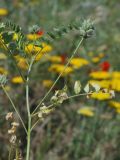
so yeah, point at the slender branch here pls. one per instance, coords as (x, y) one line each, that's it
(74, 96)
(13, 105)
(59, 75)
(78, 95)
(35, 124)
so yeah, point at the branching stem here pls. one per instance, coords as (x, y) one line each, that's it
(75, 51)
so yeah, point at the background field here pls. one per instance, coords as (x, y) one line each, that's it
(66, 134)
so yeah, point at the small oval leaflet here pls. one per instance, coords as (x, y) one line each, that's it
(77, 87)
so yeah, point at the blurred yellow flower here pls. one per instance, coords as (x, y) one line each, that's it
(21, 62)
(3, 71)
(58, 68)
(101, 83)
(101, 55)
(15, 36)
(115, 104)
(100, 75)
(115, 84)
(56, 59)
(17, 80)
(78, 62)
(2, 56)
(101, 96)
(118, 111)
(33, 36)
(30, 48)
(47, 83)
(3, 12)
(116, 75)
(86, 111)
(95, 59)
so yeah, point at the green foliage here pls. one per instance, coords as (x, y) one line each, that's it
(3, 79)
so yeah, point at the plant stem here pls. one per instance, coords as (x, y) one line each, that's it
(28, 111)
(29, 121)
(35, 124)
(13, 105)
(82, 94)
(10, 152)
(73, 96)
(75, 51)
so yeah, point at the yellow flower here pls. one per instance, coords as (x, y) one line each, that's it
(116, 75)
(115, 84)
(100, 75)
(15, 36)
(102, 83)
(115, 104)
(95, 59)
(47, 83)
(3, 71)
(118, 111)
(30, 48)
(78, 62)
(56, 59)
(101, 96)
(2, 56)
(101, 55)
(17, 80)
(86, 111)
(58, 68)
(21, 62)
(32, 36)
(3, 12)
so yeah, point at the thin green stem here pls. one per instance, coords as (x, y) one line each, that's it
(28, 111)
(75, 51)
(10, 152)
(29, 122)
(35, 124)
(13, 105)
(78, 95)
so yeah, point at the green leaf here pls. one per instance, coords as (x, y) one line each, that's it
(2, 27)
(77, 87)
(7, 37)
(87, 88)
(3, 79)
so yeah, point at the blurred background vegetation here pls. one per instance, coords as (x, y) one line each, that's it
(65, 134)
